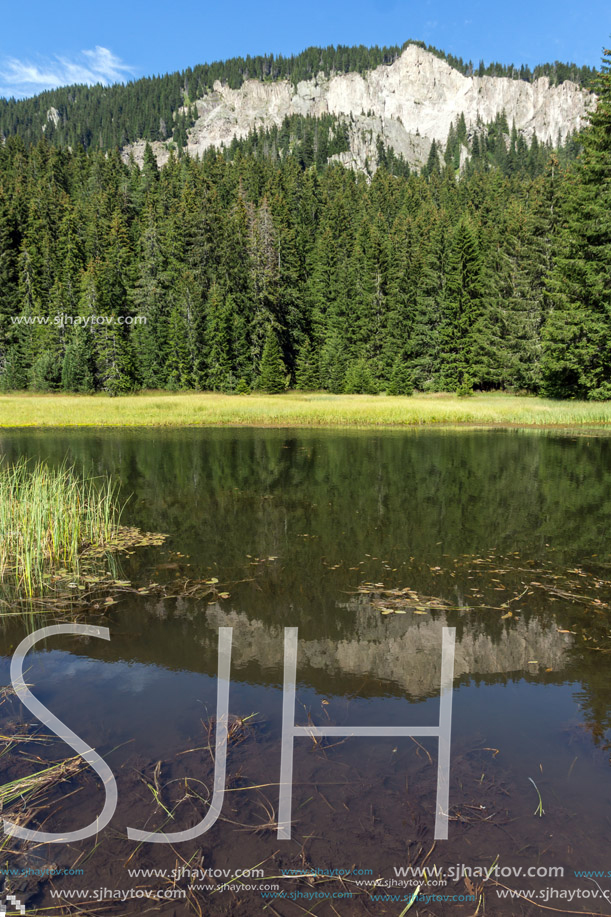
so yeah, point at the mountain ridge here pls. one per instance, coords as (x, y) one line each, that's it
(405, 106)
(160, 109)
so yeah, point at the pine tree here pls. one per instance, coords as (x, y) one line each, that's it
(307, 377)
(272, 371)
(577, 335)
(461, 308)
(360, 379)
(401, 378)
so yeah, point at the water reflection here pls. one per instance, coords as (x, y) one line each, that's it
(507, 528)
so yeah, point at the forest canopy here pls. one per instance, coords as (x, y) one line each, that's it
(267, 265)
(162, 107)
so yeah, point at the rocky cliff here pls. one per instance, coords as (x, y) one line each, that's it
(408, 104)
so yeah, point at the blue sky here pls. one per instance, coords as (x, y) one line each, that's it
(45, 44)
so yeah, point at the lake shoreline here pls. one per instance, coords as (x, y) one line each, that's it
(299, 410)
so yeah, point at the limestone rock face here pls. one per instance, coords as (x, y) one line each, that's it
(408, 104)
(52, 117)
(161, 151)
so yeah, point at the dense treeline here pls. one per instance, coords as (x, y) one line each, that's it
(104, 117)
(231, 273)
(312, 141)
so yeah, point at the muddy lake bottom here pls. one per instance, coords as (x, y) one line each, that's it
(370, 544)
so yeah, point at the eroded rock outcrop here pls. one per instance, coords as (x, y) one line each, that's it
(408, 104)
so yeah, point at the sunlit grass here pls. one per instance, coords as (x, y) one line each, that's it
(47, 518)
(294, 409)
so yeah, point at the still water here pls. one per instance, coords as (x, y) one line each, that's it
(506, 530)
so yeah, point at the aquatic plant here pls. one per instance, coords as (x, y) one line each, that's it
(49, 517)
(540, 811)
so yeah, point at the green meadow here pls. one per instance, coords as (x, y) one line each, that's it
(149, 409)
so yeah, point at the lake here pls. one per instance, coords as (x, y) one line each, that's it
(370, 543)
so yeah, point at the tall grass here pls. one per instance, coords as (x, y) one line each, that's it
(48, 517)
(307, 409)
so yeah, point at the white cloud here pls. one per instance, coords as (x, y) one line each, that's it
(21, 78)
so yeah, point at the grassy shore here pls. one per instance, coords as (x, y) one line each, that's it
(294, 409)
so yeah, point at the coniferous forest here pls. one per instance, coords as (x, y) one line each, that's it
(161, 107)
(266, 266)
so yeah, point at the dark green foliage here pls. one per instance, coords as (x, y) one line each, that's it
(46, 372)
(265, 263)
(201, 258)
(77, 369)
(401, 381)
(461, 330)
(359, 379)
(465, 386)
(218, 340)
(577, 334)
(310, 140)
(307, 377)
(432, 164)
(161, 108)
(13, 376)
(272, 377)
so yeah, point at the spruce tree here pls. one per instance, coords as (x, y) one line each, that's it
(461, 309)
(272, 371)
(577, 335)
(77, 372)
(218, 340)
(360, 379)
(401, 382)
(306, 373)
(179, 358)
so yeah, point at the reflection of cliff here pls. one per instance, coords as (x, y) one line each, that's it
(369, 655)
(375, 655)
(402, 651)
(366, 502)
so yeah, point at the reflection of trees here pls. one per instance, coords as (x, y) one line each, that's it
(473, 491)
(429, 495)
(588, 663)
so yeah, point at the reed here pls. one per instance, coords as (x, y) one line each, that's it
(48, 519)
